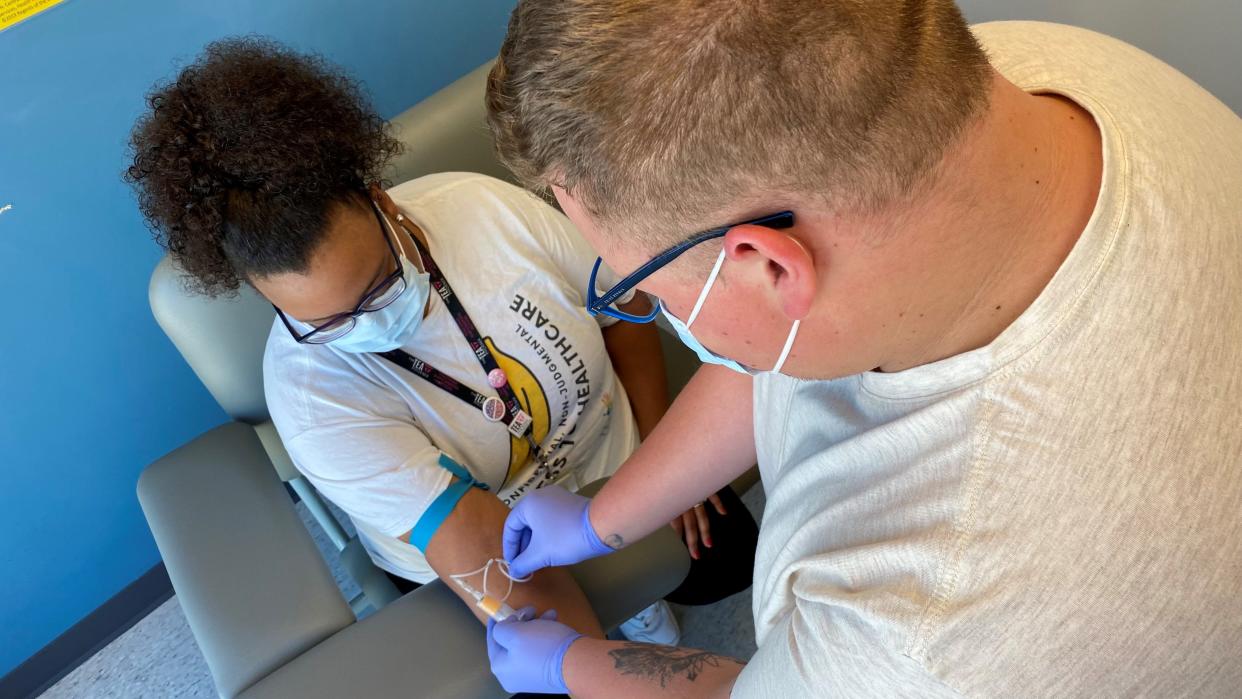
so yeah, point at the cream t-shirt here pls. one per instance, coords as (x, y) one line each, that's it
(1059, 513)
(369, 434)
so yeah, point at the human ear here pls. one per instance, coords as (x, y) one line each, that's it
(784, 264)
(385, 202)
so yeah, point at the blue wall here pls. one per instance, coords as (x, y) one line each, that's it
(91, 390)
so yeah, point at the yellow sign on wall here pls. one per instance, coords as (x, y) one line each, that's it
(14, 11)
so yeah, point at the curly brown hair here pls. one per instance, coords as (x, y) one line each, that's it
(243, 156)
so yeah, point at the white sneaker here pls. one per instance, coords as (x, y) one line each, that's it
(655, 624)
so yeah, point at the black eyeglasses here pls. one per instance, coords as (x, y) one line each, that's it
(383, 294)
(597, 304)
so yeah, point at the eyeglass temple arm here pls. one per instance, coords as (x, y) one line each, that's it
(778, 221)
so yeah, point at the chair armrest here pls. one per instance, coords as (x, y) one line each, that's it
(428, 644)
(254, 588)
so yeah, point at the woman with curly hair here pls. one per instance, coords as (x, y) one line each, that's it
(422, 415)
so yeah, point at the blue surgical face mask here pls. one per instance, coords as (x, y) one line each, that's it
(394, 325)
(707, 356)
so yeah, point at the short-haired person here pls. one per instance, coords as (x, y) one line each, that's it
(984, 290)
(432, 360)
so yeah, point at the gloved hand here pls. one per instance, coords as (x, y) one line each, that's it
(549, 527)
(527, 654)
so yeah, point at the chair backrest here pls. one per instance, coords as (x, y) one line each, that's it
(447, 132)
(223, 339)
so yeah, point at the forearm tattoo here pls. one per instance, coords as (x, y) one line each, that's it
(614, 541)
(665, 663)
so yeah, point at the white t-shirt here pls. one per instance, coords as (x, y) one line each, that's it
(369, 434)
(1059, 513)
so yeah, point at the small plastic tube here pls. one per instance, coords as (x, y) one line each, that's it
(495, 609)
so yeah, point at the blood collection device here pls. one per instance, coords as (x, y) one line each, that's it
(493, 607)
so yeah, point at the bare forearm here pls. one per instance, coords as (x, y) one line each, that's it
(603, 669)
(471, 536)
(705, 440)
(636, 358)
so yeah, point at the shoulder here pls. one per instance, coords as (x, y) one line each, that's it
(448, 192)
(286, 363)
(1045, 54)
(1039, 37)
(1162, 112)
(465, 210)
(283, 359)
(287, 369)
(309, 386)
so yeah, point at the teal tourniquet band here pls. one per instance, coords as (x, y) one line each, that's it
(440, 508)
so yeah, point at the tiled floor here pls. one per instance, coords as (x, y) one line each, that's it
(158, 656)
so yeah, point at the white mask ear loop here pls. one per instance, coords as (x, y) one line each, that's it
(698, 306)
(707, 287)
(711, 279)
(422, 263)
(793, 333)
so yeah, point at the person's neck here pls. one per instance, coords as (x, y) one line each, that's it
(407, 232)
(1006, 207)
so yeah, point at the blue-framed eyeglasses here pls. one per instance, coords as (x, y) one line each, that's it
(597, 304)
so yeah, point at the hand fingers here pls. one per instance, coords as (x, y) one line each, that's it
(523, 565)
(505, 632)
(550, 615)
(516, 535)
(692, 534)
(678, 527)
(705, 525)
(494, 649)
(716, 502)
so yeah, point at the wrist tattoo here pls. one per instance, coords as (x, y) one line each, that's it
(614, 541)
(665, 663)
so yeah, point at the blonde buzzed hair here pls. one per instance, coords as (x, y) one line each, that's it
(660, 114)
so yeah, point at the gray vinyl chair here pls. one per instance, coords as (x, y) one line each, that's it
(260, 599)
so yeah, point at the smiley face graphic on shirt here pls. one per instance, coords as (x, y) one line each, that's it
(530, 394)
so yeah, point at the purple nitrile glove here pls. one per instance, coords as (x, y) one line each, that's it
(549, 527)
(527, 654)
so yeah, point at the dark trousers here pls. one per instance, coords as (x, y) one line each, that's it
(728, 566)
